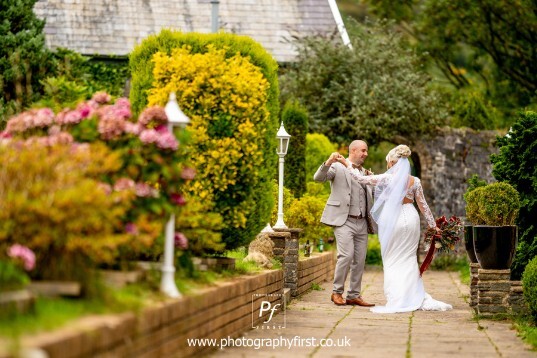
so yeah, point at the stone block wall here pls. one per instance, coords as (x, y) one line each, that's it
(446, 161)
(474, 269)
(516, 298)
(314, 270)
(290, 258)
(492, 293)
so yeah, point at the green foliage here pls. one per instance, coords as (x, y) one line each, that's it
(376, 158)
(295, 120)
(60, 93)
(304, 213)
(318, 149)
(150, 168)
(375, 91)
(474, 182)
(373, 256)
(51, 202)
(246, 203)
(529, 286)
(12, 277)
(472, 110)
(515, 164)
(201, 227)
(24, 59)
(77, 77)
(494, 204)
(288, 200)
(450, 261)
(467, 50)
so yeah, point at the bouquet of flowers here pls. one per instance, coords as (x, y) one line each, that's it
(444, 240)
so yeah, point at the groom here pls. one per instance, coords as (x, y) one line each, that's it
(347, 211)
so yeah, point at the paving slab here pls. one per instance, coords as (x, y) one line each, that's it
(347, 331)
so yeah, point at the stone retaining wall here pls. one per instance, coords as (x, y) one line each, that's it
(314, 270)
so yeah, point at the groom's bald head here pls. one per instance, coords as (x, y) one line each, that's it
(358, 152)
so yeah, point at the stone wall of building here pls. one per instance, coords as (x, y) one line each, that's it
(446, 162)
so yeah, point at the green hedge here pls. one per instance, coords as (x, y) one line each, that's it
(295, 120)
(515, 164)
(529, 286)
(258, 192)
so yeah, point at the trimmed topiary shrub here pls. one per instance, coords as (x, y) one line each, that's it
(529, 286)
(515, 164)
(495, 204)
(295, 120)
(227, 85)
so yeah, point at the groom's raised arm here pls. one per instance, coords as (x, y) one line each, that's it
(327, 170)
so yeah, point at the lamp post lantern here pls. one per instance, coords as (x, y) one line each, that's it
(283, 145)
(176, 117)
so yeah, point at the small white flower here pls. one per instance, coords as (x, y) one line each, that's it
(437, 245)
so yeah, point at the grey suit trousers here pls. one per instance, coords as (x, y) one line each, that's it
(351, 240)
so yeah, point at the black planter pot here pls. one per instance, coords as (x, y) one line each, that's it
(469, 243)
(495, 246)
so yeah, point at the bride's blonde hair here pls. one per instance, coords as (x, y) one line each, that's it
(401, 151)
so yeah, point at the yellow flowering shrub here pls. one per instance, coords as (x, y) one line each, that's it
(53, 202)
(225, 98)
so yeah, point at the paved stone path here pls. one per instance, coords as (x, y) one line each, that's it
(416, 334)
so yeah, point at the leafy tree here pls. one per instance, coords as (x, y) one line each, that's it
(375, 91)
(24, 59)
(295, 120)
(515, 164)
(488, 43)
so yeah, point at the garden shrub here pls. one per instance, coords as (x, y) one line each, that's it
(150, 167)
(515, 164)
(494, 204)
(288, 200)
(472, 110)
(304, 213)
(295, 121)
(24, 57)
(529, 286)
(52, 201)
(228, 87)
(318, 149)
(374, 255)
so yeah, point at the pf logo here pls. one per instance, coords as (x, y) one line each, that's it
(268, 311)
(266, 306)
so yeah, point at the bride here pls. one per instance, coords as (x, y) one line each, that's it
(399, 233)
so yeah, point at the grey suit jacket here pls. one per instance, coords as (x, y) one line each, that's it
(337, 207)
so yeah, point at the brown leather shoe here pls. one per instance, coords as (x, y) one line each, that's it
(337, 299)
(358, 301)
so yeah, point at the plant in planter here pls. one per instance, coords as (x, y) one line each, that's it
(473, 183)
(493, 209)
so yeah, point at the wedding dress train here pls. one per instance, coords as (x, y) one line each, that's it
(403, 285)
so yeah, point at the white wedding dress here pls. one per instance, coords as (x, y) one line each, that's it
(403, 285)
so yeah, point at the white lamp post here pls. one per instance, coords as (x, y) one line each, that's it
(176, 117)
(283, 144)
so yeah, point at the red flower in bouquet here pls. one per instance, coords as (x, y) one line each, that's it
(450, 233)
(445, 240)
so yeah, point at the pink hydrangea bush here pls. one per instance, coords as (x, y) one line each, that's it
(153, 168)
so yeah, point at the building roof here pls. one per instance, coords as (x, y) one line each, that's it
(114, 27)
